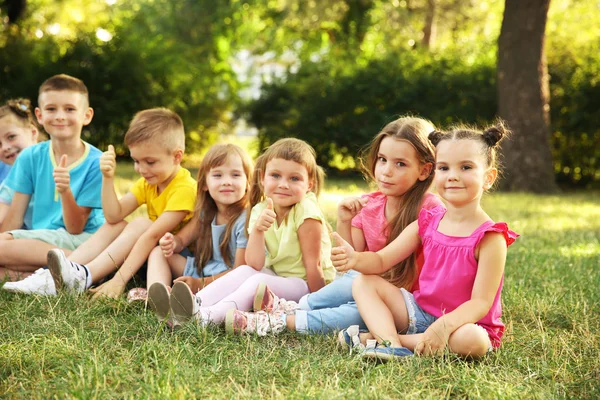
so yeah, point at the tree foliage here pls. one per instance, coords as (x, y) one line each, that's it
(332, 72)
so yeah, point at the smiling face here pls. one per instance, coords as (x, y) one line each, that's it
(155, 164)
(227, 182)
(398, 167)
(63, 113)
(286, 183)
(14, 137)
(461, 171)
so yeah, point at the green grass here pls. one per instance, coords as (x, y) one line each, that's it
(71, 347)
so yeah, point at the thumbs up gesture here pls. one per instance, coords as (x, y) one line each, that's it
(62, 179)
(267, 217)
(343, 255)
(108, 162)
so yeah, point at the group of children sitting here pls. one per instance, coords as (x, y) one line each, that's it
(246, 244)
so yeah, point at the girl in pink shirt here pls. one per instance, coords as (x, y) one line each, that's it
(458, 301)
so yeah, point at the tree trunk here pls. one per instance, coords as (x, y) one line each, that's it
(429, 28)
(523, 97)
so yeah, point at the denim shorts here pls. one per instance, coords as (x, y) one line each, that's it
(419, 320)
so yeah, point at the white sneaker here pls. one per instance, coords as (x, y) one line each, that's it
(40, 282)
(66, 273)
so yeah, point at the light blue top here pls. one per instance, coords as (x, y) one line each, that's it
(216, 265)
(32, 174)
(4, 170)
(6, 196)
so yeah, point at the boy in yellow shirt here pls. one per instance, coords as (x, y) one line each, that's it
(156, 141)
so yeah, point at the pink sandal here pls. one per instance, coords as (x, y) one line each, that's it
(137, 295)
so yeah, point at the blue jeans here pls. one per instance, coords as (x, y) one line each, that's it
(330, 309)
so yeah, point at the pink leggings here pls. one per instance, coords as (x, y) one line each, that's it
(237, 289)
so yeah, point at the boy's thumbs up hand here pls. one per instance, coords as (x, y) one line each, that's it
(62, 179)
(343, 255)
(267, 217)
(108, 162)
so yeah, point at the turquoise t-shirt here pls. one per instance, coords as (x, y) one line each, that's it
(4, 170)
(32, 174)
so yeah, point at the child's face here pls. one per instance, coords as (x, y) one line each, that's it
(461, 173)
(398, 167)
(155, 164)
(227, 183)
(13, 138)
(286, 183)
(63, 114)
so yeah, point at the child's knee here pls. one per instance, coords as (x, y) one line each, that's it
(6, 236)
(364, 282)
(470, 340)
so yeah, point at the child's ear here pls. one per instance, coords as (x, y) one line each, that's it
(490, 178)
(89, 114)
(178, 156)
(425, 171)
(38, 115)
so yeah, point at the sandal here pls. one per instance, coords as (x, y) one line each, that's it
(137, 295)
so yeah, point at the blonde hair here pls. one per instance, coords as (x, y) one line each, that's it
(206, 208)
(20, 111)
(415, 131)
(289, 149)
(158, 125)
(63, 82)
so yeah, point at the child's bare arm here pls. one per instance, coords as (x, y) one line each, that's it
(75, 217)
(3, 211)
(16, 212)
(166, 222)
(348, 209)
(255, 249)
(490, 268)
(309, 236)
(345, 258)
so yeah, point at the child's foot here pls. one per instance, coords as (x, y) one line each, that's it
(384, 353)
(266, 300)
(183, 303)
(66, 273)
(350, 338)
(40, 282)
(261, 323)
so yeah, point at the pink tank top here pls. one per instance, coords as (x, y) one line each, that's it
(448, 274)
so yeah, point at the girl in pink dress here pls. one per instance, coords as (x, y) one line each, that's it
(458, 302)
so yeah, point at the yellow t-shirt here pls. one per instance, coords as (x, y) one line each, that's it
(284, 255)
(179, 195)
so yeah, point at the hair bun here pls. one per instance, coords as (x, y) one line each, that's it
(435, 137)
(21, 107)
(494, 134)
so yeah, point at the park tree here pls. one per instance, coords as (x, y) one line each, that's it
(523, 96)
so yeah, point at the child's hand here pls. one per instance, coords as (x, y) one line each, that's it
(349, 207)
(108, 162)
(343, 255)
(435, 339)
(62, 178)
(167, 244)
(112, 288)
(266, 218)
(195, 284)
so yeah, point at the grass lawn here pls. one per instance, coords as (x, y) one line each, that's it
(71, 347)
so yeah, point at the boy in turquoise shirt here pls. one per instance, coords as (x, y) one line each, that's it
(62, 175)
